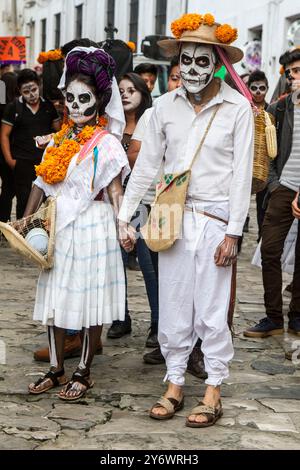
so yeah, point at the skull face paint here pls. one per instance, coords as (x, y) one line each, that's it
(197, 66)
(131, 97)
(30, 92)
(259, 90)
(81, 102)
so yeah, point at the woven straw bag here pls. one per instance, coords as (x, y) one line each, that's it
(164, 224)
(15, 233)
(265, 148)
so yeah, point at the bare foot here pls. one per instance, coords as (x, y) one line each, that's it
(46, 383)
(75, 389)
(174, 391)
(211, 399)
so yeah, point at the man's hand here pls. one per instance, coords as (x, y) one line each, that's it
(295, 207)
(226, 253)
(126, 236)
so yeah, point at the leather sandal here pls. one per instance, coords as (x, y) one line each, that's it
(53, 376)
(84, 380)
(170, 404)
(211, 413)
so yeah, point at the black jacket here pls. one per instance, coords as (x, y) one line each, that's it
(283, 112)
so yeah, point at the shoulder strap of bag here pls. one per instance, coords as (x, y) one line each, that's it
(198, 150)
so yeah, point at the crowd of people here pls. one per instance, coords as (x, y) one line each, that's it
(100, 149)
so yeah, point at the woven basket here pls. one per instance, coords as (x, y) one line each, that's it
(261, 158)
(15, 233)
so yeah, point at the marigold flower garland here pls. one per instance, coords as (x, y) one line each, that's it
(192, 21)
(50, 55)
(55, 164)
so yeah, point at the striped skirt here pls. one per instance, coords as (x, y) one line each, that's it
(86, 286)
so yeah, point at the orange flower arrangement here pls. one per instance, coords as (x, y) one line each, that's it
(209, 19)
(131, 46)
(50, 55)
(192, 21)
(55, 164)
(226, 34)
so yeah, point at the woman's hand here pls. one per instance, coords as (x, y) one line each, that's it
(295, 207)
(226, 253)
(126, 236)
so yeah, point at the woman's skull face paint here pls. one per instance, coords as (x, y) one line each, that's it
(131, 97)
(197, 66)
(80, 102)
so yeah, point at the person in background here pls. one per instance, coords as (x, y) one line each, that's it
(283, 185)
(6, 68)
(6, 173)
(245, 77)
(148, 72)
(23, 120)
(135, 99)
(259, 86)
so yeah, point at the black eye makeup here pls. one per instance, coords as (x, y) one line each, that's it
(70, 97)
(84, 98)
(202, 61)
(186, 60)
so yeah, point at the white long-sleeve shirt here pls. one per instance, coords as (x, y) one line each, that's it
(222, 171)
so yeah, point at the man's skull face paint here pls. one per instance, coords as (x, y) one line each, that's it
(30, 92)
(197, 66)
(80, 102)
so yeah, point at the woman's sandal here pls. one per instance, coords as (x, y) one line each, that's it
(211, 413)
(170, 404)
(53, 377)
(76, 378)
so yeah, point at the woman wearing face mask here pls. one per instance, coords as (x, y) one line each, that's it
(86, 286)
(135, 100)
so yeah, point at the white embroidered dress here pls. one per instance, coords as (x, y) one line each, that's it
(86, 286)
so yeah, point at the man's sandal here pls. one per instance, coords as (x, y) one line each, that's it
(76, 378)
(211, 413)
(170, 404)
(53, 377)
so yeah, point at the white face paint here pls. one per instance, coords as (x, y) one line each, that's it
(30, 92)
(197, 66)
(131, 97)
(80, 102)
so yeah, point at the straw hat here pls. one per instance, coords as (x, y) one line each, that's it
(202, 29)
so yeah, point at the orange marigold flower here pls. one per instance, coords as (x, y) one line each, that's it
(50, 55)
(131, 46)
(209, 19)
(226, 34)
(188, 22)
(282, 70)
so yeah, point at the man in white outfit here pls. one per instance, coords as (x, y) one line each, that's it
(195, 275)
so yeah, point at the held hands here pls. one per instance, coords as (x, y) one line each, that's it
(126, 236)
(226, 253)
(295, 207)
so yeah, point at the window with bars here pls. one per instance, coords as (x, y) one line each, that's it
(78, 24)
(57, 21)
(161, 17)
(134, 19)
(110, 17)
(43, 34)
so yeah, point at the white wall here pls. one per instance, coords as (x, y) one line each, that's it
(273, 16)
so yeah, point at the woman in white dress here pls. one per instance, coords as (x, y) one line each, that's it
(82, 169)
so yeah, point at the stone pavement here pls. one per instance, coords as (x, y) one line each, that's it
(261, 399)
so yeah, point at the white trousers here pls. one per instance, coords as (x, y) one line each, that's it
(194, 298)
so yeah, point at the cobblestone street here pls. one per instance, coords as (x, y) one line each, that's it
(261, 399)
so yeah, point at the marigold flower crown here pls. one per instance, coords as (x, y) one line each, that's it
(50, 55)
(224, 33)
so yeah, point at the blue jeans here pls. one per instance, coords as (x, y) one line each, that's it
(148, 261)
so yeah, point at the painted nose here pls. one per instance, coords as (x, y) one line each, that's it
(193, 72)
(75, 105)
